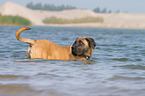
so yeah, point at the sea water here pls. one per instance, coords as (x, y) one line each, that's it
(116, 68)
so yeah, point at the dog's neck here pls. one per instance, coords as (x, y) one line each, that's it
(72, 57)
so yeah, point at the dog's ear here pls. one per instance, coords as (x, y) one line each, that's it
(91, 42)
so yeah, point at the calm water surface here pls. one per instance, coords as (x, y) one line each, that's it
(116, 68)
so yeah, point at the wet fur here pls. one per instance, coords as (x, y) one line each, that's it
(82, 49)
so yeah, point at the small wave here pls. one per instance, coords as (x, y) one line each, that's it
(97, 48)
(49, 75)
(125, 59)
(2, 59)
(30, 60)
(112, 45)
(117, 77)
(138, 67)
(11, 76)
(64, 39)
(4, 51)
(138, 59)
(120, 59)
(99, 38)
(137, 47)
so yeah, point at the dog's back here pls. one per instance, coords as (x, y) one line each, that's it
(48, 50)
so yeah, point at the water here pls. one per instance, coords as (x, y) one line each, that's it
(116, 67)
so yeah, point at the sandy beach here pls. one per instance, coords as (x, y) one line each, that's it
(111, 20)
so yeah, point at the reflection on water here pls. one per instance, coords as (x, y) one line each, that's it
(116, 67)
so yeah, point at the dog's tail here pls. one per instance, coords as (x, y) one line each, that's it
(29, 41)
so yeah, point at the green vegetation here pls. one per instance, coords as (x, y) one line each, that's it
(13, 20)
(54, 20)
(52, 7)
(98, 10)
(49, 7)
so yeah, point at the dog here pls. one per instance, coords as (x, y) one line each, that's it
(82, 48)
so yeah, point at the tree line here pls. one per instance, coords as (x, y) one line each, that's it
(49, 7)
(98, 10)
(52, 7)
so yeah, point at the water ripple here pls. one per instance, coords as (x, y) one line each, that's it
(137, 67)
(116, 67)
(117, 77)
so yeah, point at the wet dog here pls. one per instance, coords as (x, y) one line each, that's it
(82, 48)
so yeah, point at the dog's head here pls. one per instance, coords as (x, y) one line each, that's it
(83, 47)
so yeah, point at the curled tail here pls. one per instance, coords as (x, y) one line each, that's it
(29, 41)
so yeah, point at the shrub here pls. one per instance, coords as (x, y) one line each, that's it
(14, 20)
(54, 20)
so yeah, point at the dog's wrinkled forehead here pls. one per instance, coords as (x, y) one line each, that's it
(82, 39)
(87, 41)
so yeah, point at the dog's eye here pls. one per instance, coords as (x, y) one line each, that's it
(81, 43)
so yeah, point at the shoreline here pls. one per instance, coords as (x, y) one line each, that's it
(110, 20)
(93, 25)
(83, 25)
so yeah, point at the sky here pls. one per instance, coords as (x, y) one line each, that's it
(131, 6)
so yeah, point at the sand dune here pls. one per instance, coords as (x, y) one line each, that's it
(112, 20)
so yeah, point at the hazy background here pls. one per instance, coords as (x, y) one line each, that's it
(131, 6)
